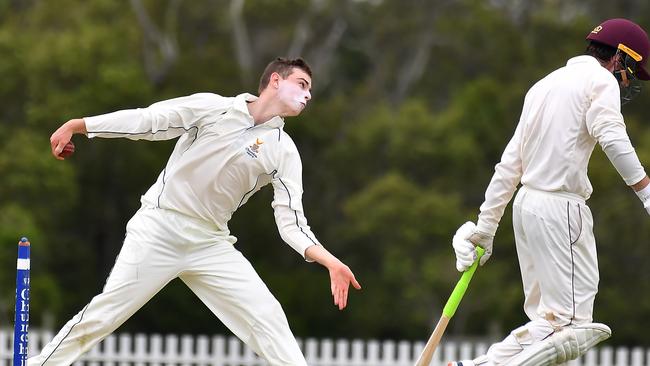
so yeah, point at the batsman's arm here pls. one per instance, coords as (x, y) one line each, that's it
(643, 183)
(63, 134)
(606, 124)
(506, 177)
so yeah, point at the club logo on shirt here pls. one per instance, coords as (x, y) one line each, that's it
(254, 149)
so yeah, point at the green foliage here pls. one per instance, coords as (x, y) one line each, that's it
(411, 225)
(392, 165)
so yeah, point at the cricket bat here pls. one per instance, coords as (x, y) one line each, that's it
(448, 312)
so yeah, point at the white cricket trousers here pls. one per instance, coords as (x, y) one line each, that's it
(559, 266)
(161, 245)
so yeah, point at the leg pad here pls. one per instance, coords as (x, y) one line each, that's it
(565, 345)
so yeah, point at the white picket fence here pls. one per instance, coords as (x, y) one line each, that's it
(186, 350)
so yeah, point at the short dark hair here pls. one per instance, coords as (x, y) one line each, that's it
(284, 67)
(600, 51)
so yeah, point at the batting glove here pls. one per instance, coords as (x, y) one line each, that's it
(465, 241)
(484, 241)
(644, 196)
(464, 249)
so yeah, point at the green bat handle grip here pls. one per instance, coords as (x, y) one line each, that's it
(456, 295)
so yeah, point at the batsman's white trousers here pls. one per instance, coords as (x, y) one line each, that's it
(161, 245)
(558, 263)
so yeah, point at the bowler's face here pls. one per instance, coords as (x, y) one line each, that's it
(295, 91)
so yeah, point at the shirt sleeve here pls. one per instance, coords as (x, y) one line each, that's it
(605, 123)
(287, 201)
(163, 120)
(507, 175)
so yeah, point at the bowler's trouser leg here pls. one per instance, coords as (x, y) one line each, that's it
(227, 283)
(132, 282)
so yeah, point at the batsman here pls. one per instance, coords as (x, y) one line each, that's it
(563, 117)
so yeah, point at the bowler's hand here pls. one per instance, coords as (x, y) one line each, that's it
(341, 277)
(58, 140)
(63, 135)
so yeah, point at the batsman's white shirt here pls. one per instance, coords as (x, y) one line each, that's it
(564, 115)
(220, 160)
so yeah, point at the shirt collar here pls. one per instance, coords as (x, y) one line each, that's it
(241, 102)
(583, 59)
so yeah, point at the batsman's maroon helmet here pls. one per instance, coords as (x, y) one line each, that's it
(614, 32)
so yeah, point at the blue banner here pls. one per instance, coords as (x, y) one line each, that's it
(21, 321)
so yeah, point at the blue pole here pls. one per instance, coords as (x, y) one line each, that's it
(21, 321)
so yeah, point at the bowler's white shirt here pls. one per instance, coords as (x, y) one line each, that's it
(220, 160)
(564, 115)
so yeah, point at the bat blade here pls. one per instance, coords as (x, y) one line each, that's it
(448, 312)
(432, 343)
